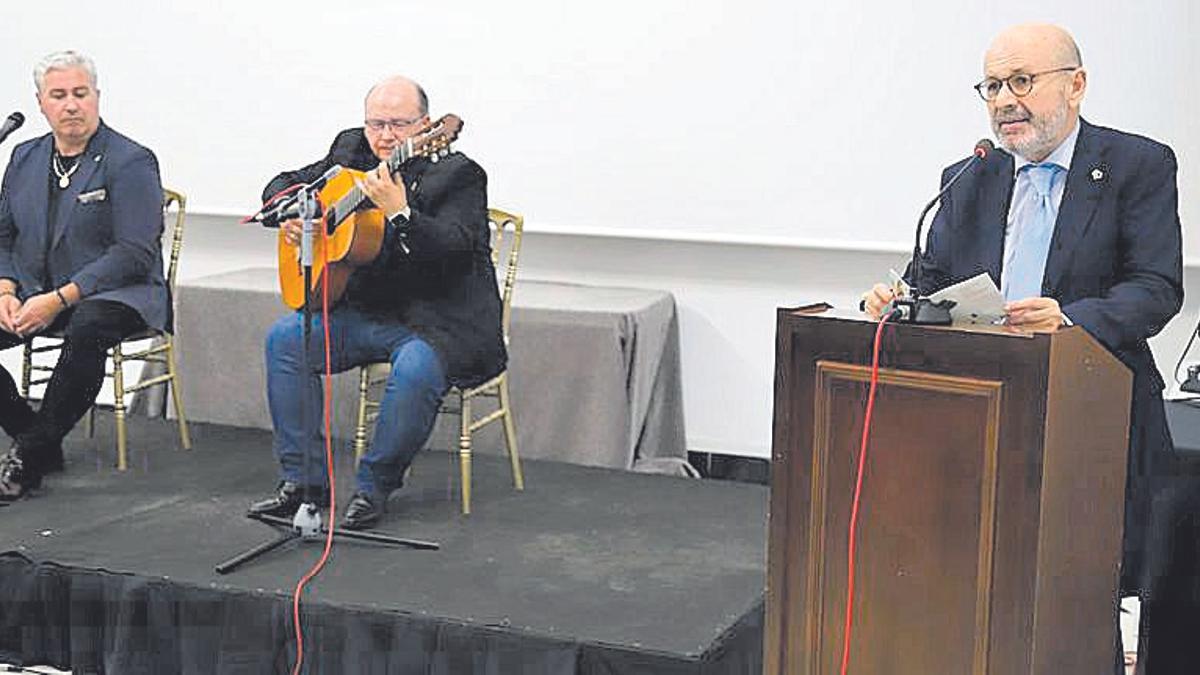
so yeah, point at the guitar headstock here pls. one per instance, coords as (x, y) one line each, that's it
(432, 141)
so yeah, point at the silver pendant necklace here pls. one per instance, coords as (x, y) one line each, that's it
(64, 175)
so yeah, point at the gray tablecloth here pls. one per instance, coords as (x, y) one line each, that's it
(594, 371)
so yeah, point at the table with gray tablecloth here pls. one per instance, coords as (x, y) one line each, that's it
(594, 371)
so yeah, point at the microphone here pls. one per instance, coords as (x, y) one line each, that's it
(916, 309)
(273, 214)
(11, 124)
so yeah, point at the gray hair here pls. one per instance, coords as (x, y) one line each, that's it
(62, 61)
(422, 99)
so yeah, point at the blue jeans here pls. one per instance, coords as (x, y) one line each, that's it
(409, 406)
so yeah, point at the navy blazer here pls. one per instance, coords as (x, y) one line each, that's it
(1115, 266)
(109, 243)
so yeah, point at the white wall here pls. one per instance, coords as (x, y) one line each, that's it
(712, 118)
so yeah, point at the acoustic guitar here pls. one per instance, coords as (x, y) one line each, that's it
(354, 224)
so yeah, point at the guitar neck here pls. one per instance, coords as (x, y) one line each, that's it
(354, 198)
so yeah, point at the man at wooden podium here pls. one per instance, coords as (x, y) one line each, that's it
(1078, 224)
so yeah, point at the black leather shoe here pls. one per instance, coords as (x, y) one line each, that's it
(47, 460)
(286, 500)
(16, 479)
(362, 512)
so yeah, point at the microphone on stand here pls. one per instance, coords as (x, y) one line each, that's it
(11, 124)
(915, 309)
(286, 208)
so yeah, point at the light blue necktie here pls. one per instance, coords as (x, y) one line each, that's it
(1023, 278)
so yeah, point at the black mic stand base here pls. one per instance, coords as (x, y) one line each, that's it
(923, 311)
(304, 533)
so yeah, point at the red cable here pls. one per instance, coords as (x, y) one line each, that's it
(328, 407)
(862, 461)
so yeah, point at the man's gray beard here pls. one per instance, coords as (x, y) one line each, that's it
(1045, 134)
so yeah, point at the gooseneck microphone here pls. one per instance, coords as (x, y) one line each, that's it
(915, 309)
(11, 124)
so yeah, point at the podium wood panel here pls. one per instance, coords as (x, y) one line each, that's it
(990, 523)
(905, 578)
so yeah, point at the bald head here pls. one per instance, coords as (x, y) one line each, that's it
(1037, 82)
(1035, 40)
(399, 89)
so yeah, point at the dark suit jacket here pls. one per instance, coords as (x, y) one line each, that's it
(1115, 266)
(443, 286)
(110, 246)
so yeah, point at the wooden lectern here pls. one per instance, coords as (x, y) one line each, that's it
(989, 536)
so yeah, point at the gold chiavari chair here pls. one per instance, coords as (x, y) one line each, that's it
(459, 401)
(161, 350)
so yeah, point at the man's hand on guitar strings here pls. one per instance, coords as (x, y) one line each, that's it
(387, 194)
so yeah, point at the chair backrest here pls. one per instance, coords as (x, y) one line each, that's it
(500, 221)
(171, 197)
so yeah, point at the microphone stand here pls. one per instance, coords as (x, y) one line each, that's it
(306, 524)
(915, 309)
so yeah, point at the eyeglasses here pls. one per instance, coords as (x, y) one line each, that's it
(1020, 84)
(396, 124)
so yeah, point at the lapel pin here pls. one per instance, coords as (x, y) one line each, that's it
(413, 186)
(1097, 175)
(96, 158)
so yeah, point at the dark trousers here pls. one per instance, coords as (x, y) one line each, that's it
(88, 330)
(1170, 621)
(1169, 637)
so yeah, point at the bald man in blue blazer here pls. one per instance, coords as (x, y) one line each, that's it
(80, 254)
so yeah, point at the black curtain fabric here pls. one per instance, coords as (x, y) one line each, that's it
(100, 622)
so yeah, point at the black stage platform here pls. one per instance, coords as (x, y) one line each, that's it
(587, 571)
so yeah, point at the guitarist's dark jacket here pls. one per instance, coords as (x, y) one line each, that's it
(434, 274)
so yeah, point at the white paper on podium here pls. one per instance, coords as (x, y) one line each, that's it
(977, 300)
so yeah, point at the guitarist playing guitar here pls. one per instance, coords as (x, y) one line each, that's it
(355, 224)
(424, 296)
